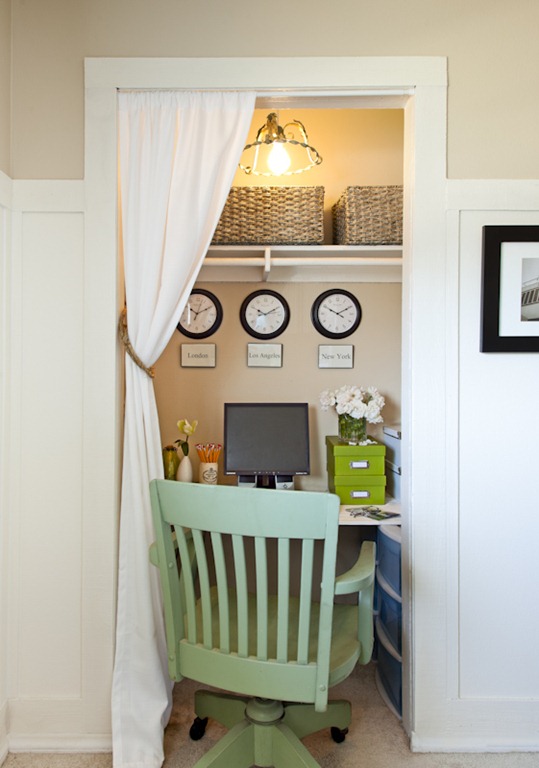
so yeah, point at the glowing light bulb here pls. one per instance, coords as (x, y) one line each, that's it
(278, 159)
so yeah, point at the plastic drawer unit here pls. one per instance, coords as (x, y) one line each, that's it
(389, 555)
(388, 674)
(389, 612)
(388, 624)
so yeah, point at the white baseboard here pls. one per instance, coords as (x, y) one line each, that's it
(468, 743)
(59, 742)
(3, 733)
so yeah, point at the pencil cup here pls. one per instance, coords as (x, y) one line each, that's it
(207, 472)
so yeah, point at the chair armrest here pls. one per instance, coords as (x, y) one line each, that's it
(154, 557)
(361, 574)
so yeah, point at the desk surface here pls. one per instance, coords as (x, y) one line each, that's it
(372, 514)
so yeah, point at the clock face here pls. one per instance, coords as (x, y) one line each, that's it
(264, 314)
(202, 315)
(336, 313)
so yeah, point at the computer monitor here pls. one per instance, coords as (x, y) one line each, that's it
(266, 444)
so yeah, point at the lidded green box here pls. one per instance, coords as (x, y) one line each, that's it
(371, 489)
(344, 459)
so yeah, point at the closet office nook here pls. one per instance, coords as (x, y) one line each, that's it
(417, 87)
(360, 147)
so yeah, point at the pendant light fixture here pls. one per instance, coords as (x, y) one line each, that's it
(279, 151)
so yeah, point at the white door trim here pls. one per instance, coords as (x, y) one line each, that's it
(419, 84)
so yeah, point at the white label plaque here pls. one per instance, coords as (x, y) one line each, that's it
(336, 356)
(197, 356)
(264, 355)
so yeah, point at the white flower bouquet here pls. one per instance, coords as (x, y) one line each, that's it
(357, 402)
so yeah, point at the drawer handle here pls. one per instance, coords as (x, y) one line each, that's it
(360, 464)
(360, 494)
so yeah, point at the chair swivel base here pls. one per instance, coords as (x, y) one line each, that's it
(264, 732)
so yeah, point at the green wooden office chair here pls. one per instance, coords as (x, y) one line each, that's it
(248, 579)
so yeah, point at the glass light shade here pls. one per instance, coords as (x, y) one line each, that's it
(268, 150)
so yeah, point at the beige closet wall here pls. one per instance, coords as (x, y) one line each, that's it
(491, 49)
(5, 85)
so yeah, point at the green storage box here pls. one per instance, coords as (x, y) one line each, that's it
(344, 459)
(356, 472)
(369, 489)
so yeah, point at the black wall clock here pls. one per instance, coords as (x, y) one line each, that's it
(264, 314)
(202, 315)
(336, 313)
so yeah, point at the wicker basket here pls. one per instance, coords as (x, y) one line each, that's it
(368, 216)
(272, 216)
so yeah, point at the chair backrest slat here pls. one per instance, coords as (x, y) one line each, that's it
(261, 569)
(283, 599)
(189, 584)
(222, 591)
(204, 586)
(240, 572)
(307, 563)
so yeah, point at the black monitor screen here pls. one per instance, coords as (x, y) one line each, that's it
(266, 439)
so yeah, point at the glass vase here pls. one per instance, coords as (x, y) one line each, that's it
(352, 431)
(171, 461)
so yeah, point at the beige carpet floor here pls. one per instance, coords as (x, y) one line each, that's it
(376, 739)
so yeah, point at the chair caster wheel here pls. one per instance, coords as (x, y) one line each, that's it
(198, 729)
(338, 735)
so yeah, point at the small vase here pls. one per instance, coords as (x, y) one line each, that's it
(352, 431)
(207, 473)
(171, 461)
(185, 470)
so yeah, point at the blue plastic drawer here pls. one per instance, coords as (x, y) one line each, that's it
(389, 671)
(389, 555)
(389, 611)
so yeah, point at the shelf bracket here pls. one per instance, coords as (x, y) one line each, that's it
(267, 264)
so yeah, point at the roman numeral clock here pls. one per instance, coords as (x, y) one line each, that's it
(264, 314)
(336, 313)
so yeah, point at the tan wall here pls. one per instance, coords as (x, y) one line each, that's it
(491, 49)
(5, 85)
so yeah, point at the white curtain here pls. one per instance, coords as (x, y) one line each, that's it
(178, 155)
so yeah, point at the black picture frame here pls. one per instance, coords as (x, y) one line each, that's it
(494, 238)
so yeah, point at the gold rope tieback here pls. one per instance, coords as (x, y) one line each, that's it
(122, 331)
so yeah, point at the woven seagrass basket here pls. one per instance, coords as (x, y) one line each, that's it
(368, 216)
(272, 216)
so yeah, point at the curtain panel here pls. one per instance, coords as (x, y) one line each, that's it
(178, 155)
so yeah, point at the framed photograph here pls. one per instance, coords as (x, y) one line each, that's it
(510, 300)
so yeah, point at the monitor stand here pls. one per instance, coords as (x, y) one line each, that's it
(276, 482)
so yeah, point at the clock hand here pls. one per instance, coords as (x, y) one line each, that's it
(343, 310)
